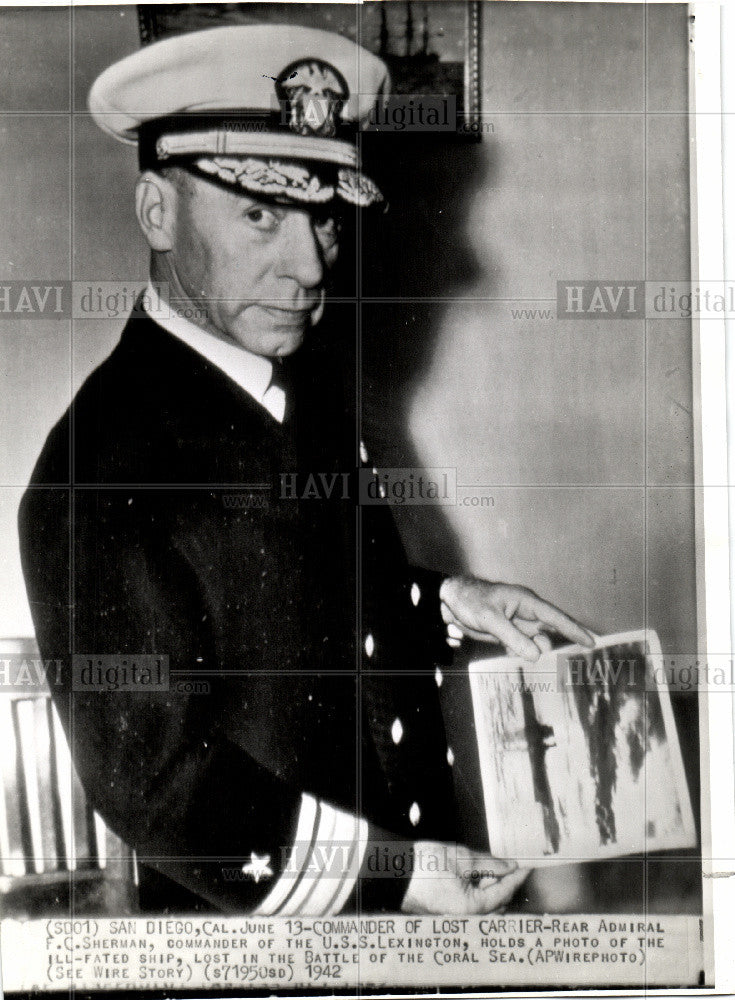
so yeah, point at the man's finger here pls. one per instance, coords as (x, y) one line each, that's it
(511, 637)
(529, 628)
(553, 616)
(466, 630)
(533, 631)
(485, 899)
(543, 642)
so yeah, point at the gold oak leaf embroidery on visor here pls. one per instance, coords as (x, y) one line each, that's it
(291, 180)
(356, 188)
(271, 177)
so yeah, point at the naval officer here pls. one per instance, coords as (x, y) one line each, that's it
(321, 646)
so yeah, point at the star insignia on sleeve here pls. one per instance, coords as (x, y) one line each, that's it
(257, 867)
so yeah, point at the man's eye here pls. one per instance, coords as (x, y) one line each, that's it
(262, 218)
(327, 229)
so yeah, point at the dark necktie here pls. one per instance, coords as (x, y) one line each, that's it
(282, 377)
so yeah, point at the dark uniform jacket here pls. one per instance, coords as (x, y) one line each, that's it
(180, 538)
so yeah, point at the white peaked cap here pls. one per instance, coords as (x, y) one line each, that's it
(262, 107)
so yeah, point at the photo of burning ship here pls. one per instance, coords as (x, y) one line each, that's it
(579, 754)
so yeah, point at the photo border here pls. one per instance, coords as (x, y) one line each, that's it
(712, 489)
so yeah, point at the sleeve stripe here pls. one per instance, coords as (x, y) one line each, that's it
(333, 857)
(351, 875)
(335, 862)
(302, 894)
(324, 863)
(285, 906)
(306, 828)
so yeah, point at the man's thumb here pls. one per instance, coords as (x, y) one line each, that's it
(486, 866)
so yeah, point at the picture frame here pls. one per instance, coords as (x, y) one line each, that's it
(431, 48)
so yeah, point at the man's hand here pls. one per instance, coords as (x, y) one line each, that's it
(451, 879)
(505, 613)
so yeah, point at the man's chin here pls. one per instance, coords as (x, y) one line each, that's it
(278, 341)
(287, 339)
(289, 348)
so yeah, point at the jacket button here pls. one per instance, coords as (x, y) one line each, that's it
(450, 756)
(414, 814)
(438, 677)
(369, 644)
(363, 452)
(415, 594)
(396, 731)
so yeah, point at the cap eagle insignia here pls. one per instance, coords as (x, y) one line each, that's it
(312, 94)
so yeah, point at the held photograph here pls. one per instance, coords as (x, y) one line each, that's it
(364, 462)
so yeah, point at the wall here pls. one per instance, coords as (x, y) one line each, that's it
(65, 202)
(580, 432)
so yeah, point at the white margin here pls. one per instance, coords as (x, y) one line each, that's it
(711, 471)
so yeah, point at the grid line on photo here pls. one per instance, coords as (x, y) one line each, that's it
(72, 456)
(360, 436)
(645, 419)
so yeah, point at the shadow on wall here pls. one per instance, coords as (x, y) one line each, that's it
(414, 259)
(416, 251)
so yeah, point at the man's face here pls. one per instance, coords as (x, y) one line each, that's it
(256, 269)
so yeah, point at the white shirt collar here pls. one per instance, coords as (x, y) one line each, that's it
(251, 372)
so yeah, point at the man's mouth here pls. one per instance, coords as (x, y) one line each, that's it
(289, 316)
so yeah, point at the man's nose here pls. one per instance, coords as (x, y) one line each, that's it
(302, 256)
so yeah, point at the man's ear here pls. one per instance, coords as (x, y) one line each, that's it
(156, 200)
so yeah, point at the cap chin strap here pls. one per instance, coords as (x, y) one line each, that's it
(247, 142)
